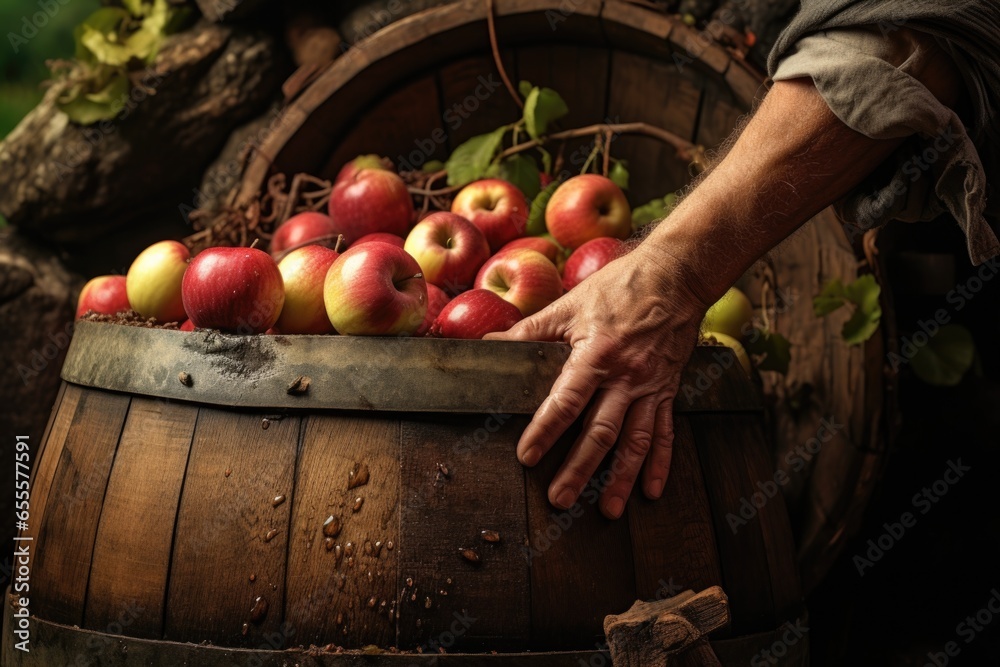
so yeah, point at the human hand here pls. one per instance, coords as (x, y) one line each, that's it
(632, 327)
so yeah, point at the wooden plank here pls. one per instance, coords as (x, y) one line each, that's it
(72, 510)
(329, 597)
(659, 94)
(720, 114)
(742, 549)
(135, 537)
(39, 451)
(406, 126)
(479, 486)
(673, 538)
(236, 470)
(473, 98)
(582, 566)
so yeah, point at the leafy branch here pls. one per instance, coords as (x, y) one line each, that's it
(863, 294)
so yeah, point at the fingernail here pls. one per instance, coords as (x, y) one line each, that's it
(656, 488)
(565, 498)
(530, 457)
(615, 507)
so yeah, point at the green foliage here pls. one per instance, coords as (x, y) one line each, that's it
(542, 106)
(536, 216)
(946, 358)
(863, 293)
(655, 210)
(619, 174)
(520, 170)
(110, 43)
(471, 160)
(432, 166)
(774, 349)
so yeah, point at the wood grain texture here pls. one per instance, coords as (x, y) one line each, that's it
(473, 98)
(72, 510)
(135, 537)
(742, 549)
(658, 93)
(328, 598)
(673, 538)
(222, 529)
(479, 485)
(719, 115)
(568, 601)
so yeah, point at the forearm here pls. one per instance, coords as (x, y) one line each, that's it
(793, 159)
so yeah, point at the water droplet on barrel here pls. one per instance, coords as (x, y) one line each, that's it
(329, 543)
(350, 562)
(265, 423)
(372, 601)
(271, 534)
(332, 526)
(341, 582)
(340, 618)
(339, 553)
(358, 476)
(368, 548)
(229, 471)
(259, 610)
(470, 555)
(370, 577)
(349, 549)
(253, 578)
(409, 582)
(358, 502)
(389, 545)
(382, 606)
(443, 592)
(246, 629)
(428, 603)
(278, 501)
(449, 581)
(491, 536)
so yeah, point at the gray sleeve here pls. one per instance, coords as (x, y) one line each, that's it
(872, 82)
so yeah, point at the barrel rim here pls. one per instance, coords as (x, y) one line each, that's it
(359, 373)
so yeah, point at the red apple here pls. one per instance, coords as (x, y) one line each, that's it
(587, 207)
(380, 236)
(233, 289)
(588, 258)
(154, 280)
(187, 326)
(474, 314)
(370, 161)
(375, 289)
(298, 230)
(540, 243)
(497, 207)
(523, 277)
(436, 301)
(449, 250)
(372, 200)
(105, 295)
(303, 272)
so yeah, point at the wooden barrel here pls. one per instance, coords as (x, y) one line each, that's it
(294, 491)
(415, 90)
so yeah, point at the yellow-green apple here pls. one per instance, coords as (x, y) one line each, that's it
(449, 250)
(105, 295)
(543, 244)
(589, 258)
(524, 277)
(375, 289)
(437, 299)
(497, 207)
(370, 161)
(301, 229)
(731, 315)
(587, 207)
(303, 272)
(733, 344)
(474, 314)
(380, 236)
(154, 280)
(369, 201)
(239, 290)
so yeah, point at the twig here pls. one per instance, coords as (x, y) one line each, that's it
(491, 24)
(685, 149)
(607, 152)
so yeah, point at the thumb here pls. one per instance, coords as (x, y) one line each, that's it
(548, 324)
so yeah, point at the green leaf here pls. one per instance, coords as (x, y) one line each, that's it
(773, 347)
(145, 42)
(470, 160)
(946, 358)
(536, 216)
(105, 47)
(95, 28)
(432, 166)
(541, 107)
(524, 87)
(619, 174)
(136, 7)
(864, 294)
(522, 172)
(546, 159)
(104, 104)
(653, 211)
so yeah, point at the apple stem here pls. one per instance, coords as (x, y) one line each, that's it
(340, 240)
(255, 242)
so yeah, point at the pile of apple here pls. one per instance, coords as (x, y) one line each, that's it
(455, 274)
